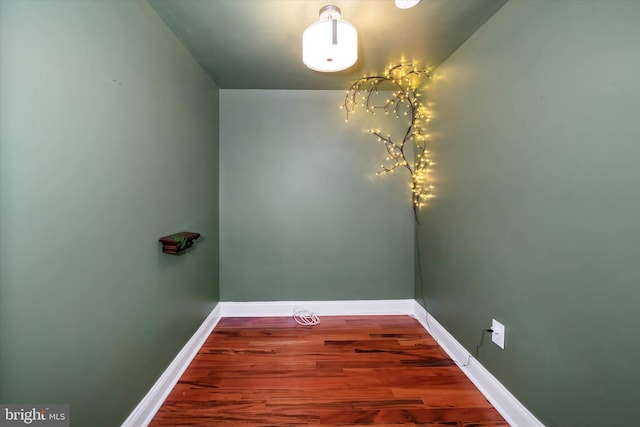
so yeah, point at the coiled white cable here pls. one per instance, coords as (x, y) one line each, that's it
(304, 317)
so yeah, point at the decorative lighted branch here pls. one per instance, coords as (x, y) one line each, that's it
(402, 81)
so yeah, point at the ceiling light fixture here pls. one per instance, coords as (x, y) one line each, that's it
(406, 4)
(330, 44)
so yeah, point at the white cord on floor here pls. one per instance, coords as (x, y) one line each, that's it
(304, 317)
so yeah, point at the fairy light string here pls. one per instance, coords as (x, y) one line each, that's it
(402, 81)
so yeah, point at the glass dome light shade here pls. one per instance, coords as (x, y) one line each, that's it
(330, 44)
(406, 4)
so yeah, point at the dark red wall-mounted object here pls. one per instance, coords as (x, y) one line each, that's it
(178, 243)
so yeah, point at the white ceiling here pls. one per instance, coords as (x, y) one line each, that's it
(257, 44)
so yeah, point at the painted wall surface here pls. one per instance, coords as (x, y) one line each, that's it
(536, 136)
(302, 214)
(108, 141)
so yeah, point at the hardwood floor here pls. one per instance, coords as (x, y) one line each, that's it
(347, 371)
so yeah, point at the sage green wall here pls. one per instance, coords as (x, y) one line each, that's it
(302, 214)
(536, 135)
(108, 140)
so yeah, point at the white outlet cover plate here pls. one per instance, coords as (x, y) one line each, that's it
(498, 333)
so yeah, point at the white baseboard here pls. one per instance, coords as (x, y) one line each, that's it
(321, 308)
(142, 415)
(505, 403)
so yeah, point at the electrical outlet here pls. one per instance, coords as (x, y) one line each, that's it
(497, 336)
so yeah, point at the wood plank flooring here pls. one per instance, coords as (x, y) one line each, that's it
(347, 371)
